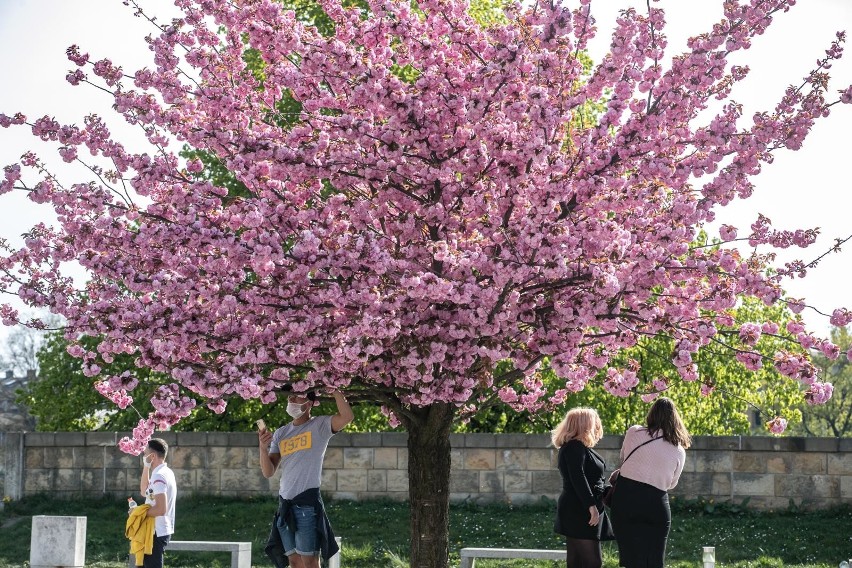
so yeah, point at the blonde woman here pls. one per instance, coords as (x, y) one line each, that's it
(652, 461)
(580, 515)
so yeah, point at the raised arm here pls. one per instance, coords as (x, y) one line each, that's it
(344, 413)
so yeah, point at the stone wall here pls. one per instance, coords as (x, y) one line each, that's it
(812, 472)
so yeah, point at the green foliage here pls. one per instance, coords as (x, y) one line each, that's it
(215, 172)
(488, 13)
(833, 419)
(702, 506)
(64, 399)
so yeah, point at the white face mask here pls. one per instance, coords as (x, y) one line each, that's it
(295, 410)
(147, 461)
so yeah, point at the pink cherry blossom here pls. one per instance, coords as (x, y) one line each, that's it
(829, 349)
(750, 333)
(769, 327)
(796, 306)
(819, 393)
(750, 360)
(795, 327)
(841, 317)
(728, 232)
(777, 425)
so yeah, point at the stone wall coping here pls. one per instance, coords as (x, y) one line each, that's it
(39, 439)
(101, 438)
(462, 440)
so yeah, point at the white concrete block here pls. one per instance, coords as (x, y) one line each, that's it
(334, 561)
(58, 542)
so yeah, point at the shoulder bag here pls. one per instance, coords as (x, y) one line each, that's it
(610, 489)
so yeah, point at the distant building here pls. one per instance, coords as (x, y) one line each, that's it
(13, 417)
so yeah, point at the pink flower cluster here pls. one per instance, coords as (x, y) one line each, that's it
(137, 443)
(777, 425)
(841, 317)
(795, 366)
(119, 397)
(819, 393)
(750, 333)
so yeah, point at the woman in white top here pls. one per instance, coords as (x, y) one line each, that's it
(652, 459)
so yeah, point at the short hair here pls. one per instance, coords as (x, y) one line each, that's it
(581, 424)
(309, 394)
(159, 447)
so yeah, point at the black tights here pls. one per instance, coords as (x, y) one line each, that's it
(584, 553)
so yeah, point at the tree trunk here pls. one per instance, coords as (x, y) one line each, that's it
(429, 485)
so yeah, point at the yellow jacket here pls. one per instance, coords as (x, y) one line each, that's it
(140, 530)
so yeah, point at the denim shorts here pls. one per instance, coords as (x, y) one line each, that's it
(304, 541)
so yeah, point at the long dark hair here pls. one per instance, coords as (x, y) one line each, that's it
(663, 417)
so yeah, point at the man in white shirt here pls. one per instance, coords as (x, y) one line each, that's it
(158, 486)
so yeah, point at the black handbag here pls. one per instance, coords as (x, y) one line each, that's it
(609, 490)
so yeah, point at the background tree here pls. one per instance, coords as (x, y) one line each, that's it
(834, 418)
(19, 350)
(435, 224)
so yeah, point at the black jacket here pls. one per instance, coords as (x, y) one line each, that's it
(310, 497)
(583, 485)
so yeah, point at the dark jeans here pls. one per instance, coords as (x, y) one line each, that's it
(155, 559)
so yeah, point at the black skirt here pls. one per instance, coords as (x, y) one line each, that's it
(572, 520)
(641, 517)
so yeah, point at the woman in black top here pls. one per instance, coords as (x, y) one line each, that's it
(580, 515)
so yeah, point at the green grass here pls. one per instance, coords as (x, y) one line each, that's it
(375, 533)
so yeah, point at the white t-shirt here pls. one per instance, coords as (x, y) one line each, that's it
(302, 449)
(162, 481)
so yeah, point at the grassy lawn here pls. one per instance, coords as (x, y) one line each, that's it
(375, 533)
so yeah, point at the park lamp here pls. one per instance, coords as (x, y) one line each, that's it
(708, 557)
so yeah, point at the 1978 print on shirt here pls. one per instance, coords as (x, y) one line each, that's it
(295, 444)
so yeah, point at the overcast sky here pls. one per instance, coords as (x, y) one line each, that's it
(809, 188)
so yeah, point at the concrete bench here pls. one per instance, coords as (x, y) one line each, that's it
(240, 551)
(469, 555)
